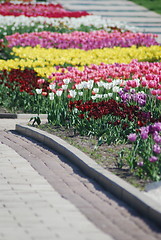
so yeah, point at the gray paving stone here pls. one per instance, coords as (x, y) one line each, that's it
(102, 209)
(32, 214)
(120, 10)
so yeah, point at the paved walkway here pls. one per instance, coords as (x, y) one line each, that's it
(45, 197)
(120, 10)
(30, 208)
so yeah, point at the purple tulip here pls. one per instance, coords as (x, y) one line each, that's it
(144, 132)
(157, 138)
(140, 164)
(156, 148)
(132, 137)
(157, 126)
(153, 159)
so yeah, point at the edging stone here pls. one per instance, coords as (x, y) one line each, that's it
(112, 183)
(8, 115)
(21, 115)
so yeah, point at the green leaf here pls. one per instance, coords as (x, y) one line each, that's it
(35, 120)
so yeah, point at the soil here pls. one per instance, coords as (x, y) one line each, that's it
(110, 157)
(3, 110)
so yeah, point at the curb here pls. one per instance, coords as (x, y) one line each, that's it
(112, 183)
(8, 115)
(21, 116)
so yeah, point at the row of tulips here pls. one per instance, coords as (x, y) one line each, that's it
(143, 75)
(37, 9)
(79, 85)
(82, 40)
(44, 61)
(23, 24)
(101, 92)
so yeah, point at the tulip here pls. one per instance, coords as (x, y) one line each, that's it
(156, 149)
(132, 137)
(153, 159)
(59, 92)
(38, 91)
(66, 81)
(51, 96)
(52, 86)
(95, 90)
(40, 81)
(72, 93)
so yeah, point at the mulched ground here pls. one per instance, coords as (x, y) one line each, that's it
(3, 110)
(110, 157)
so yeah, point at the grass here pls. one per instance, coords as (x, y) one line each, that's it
(153, 5)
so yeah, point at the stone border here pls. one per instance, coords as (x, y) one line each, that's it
(21, 116)
(112, 183)
(8, 115)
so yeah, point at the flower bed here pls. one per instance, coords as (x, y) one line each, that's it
(82, 40)
(88, 74)
(23, 24)
(43, 60)
(34, 10)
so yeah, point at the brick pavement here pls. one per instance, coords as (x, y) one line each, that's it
(38, 210)
(30, 209)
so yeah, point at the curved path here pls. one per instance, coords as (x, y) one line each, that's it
(43, 196)
(120, 10)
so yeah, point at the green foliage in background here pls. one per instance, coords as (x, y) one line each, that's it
(153, 5)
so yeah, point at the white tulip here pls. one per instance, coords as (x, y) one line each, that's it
(66, 80)
(75, 110)
(72, 93)
(80, 93)
(52, 86)
(110, 94)
(94, 97)
(107, 85)
(95, 90)
(59, 93)
(116, 82)
(116, 89)
(90, 84)
(38, 91)
(79, 86)
(105, 95)
(64, 87)
(51, 96)
(84, 84)
(100, 83)
(98, 95)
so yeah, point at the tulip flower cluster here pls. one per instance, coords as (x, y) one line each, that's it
(146, 154)
(26, 81)
(107, 119)
(143, 75)
(133, 96)
(97, 110)
(34, 10)
(43, 60)
(82, 40)
(18, 91)
(23, 24)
